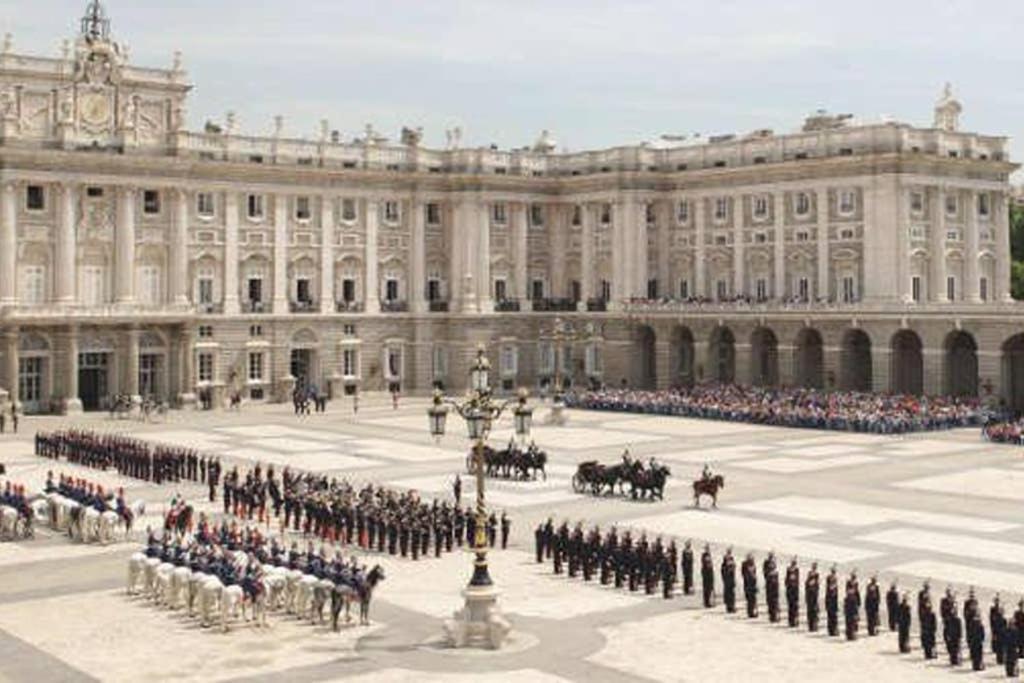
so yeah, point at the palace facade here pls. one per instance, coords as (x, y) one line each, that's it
(139, 257)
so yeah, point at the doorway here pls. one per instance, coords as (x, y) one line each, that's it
(302, 366)
(93, 378)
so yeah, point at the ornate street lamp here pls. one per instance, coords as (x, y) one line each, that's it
(480, 621)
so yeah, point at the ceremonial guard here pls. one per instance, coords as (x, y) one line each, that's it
(832, 602)
(997, 627)
(1018, 620)
(729, 581)
(770, 574)
(892, 606)
(538, 541)
(506, 527)
(954, 636)
(902, 612)
(976, 641)
(1012, 638)
(851, 612)
(687, 568)
(707, 576)
(749, 572)
(872, 605)
(793, 594)
(811, 588)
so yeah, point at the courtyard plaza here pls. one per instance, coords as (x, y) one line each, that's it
(942, 506)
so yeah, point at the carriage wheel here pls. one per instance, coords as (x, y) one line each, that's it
(577, 483)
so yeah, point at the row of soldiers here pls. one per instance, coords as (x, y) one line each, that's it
(130, 457)
(371, 517)
(623, 560)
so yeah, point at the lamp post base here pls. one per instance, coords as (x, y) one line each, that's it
(557, 415)
(480, 623)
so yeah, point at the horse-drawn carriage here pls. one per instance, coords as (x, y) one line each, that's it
(511, 462)
(645, 481)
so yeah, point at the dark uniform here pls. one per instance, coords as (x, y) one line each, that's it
(902, 612)
(707, 577)
(729, 581)
(976, 642)
(687, 569)
(749, 572)
(1011, 641)
(872, 605)
(929, 627)
(793, 594)
(832, 602)
(770, 573)
(811, 589)
(954, 636)
(997, 627)
(892, 606)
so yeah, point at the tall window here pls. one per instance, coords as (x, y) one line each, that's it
(546, 360)
(650, 214)
(205, 367)
(537, 289)
(30, 379)
(803, 204)
(951, 205)
(433, 214)
(303, 292)
(536, 215)
(606, 214)
(204, 204)
(35, 198)
(722, 289)
(951, 288)
(915, 288)
(761, 287)
(683, 212)
(391, 289)
(847, 201)
(254, 207)
(983, 205)
(348, 290)
(149, 374)
(804, 289)
(433, 289)
(509, 361)
(394, 363)
(439, 366)
(150, 202)
(577, 214)
(205, 286)
(983, 288)
(34, 284)
(350, 362)
(255, 366)
(606, 290)
(917, 202)
(256, 290)
(500, 289)
(652, 289)
(348, 210)
(684, 289)
(391, 211)
(849, 291)
(302, 209)
(721, 208)
(499, 213)
(760, 207)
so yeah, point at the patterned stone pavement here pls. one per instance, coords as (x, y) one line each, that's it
(939, 506)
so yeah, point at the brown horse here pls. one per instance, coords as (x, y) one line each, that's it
(708, 487)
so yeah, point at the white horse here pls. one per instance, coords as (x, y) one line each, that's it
(136, 571)
(111, 521)
(152, 563)
(164, 574)
(181, 578)
(232, 598)
(210, 593)
(275, 581)
(9, 522)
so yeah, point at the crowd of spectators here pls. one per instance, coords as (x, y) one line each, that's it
(1004, 431)
(793, 407)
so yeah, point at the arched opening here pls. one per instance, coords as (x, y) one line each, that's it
(764, 358)
(304, 363)
(961, 364)
(906, 368)
(809, 359)
(1013, 373)
(682, 350)
(722, 355)
(646, 372)
(855, 369)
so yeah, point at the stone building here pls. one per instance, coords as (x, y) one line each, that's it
(138, 257)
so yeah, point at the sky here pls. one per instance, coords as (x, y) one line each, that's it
(595, 73)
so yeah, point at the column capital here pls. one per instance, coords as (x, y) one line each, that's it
(9, 186)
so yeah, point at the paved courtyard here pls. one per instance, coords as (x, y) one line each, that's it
(943, 506)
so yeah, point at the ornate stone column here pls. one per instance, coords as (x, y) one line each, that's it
(557, 227)
(738, 247)
(8, 245)
(937, 247)
(588, 217)
(824, 253)
(972, 286)
(131, 381)
(636, 236)
(280, 305)
(178, 290)
(71, 403)
(65, 250)
(418, 257)
(1001, 287)
(327, 254)
(485, 300)
(663, 215)
(699, 249)
(231, 283)
(520, 251)
(10, 339)
(124, 247)
(371, 288)
(187, 397)
(779, 216)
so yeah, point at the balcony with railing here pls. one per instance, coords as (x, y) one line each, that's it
(438, 306)
(303, 306)
(597, 305)
(348, 306)
(209, 308)
(506, 305)
(254, 307)
(394, 306)
(554, 305)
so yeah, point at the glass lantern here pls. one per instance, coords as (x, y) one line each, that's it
(437, 413)
(475, 423)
